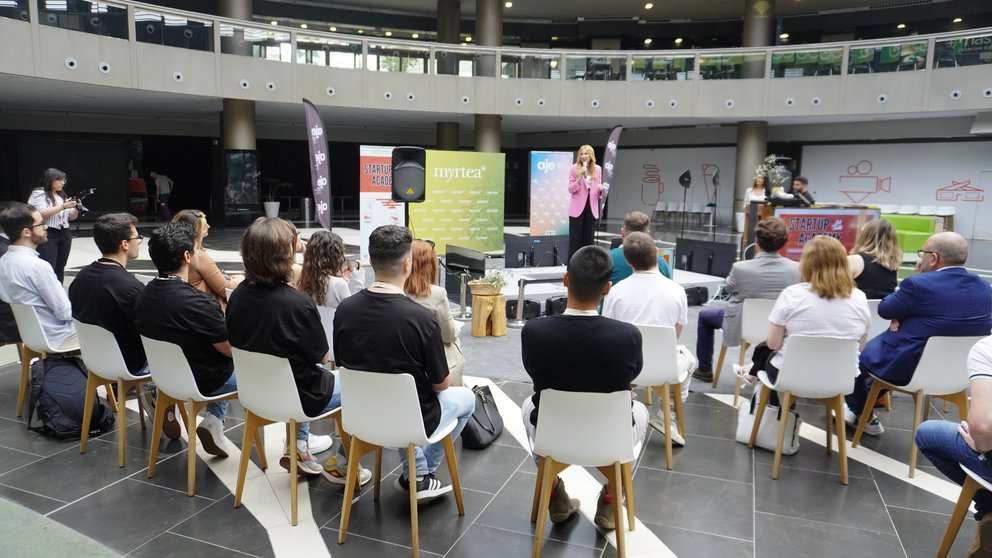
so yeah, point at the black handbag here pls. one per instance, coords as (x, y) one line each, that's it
(485, 424)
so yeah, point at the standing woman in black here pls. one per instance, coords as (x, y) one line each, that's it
(584, 187)
(57, 210)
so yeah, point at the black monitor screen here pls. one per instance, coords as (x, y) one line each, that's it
(535, 251)
(465, 259)
(704, 256)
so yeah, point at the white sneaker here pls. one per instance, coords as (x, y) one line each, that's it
(320, 444)
(211, 435)
(658, 423)
(872, 428)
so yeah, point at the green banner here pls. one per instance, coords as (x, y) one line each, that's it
(464, 201)
(859, 55)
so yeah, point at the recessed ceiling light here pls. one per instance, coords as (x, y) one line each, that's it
(957, 20)
(416, 35)
(303, 26)
(783, 36)
(678, 40)
(647, 41)
(333, 29)
(901, 26)
(648, 6)
(274, 22)
(508, 4)
(361, 31)
(468, 39)
(554, 38)
(389, 33)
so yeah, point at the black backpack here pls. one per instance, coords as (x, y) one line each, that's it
(58, 393)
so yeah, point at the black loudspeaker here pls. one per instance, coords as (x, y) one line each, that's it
(532, 309)
(409, 174)
(555, 305)
(685, 179)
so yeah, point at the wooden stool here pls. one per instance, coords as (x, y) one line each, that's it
(488, 315)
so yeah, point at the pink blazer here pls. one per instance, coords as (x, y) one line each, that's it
(581, 195)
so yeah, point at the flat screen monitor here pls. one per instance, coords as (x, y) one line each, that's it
(704, 256)
(460, 260)
(535, 251)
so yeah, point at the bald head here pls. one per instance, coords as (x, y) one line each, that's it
(951, 247)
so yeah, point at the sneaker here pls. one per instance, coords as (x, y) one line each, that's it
(658, 423)
(561, 507)
(170, 427)
(873, 428)
(703, 375)
(604, 511)
(211, 435)
(319, 444)
(336, 474)
(428, 487)
(982, 545)
(306, 463)
(744, 374)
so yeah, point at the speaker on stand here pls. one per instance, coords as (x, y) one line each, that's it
(685, 179)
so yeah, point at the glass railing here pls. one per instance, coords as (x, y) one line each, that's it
(662, 68)
(598, 68)
(804, 63)
(898, 57)
(97, 18)
(466, 63)
(15, 9)
(530, 66)
(732, 66)
(395, 58)
(324, 51)
(257, 43)
(964, 51)
(174, 31)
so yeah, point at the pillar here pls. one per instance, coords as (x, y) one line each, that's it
(487, 133)
(448, 136)
(752, 137)
(488, 32)
(449, 15)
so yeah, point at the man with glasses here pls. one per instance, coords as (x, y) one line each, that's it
(27, 279)
(944, 298)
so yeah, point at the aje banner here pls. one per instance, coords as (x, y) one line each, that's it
(464, 203)
(549, 195)
(376, 206)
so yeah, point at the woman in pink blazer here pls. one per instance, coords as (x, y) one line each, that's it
(584, 185)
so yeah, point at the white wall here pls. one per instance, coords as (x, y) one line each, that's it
(908, 173)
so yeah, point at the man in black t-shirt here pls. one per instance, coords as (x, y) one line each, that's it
(379, 329)
(580, 350)
(170, 309)
(104, 294)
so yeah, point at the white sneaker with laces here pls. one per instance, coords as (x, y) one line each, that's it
(211, 435)
(658, 423)
(872, 428)
(319, 444)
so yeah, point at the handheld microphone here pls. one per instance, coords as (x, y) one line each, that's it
(530, 258)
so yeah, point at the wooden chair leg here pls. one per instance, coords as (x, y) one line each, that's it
(345, 438)
(111, 398)
(358, 448)
(121, 423)
(866, 413)
(616, 482)
(412, 483)
(719, 365)
(647, 397)
(547, 483)
(784, 410)
(679, 411)
(161, 402)
(830, 433)
(918, 400)
(456, 483)
(378, 473)
(841, 439)
(960, 510)
(92, 380)
(141, 406)
(628, 492)
(251, 426)
(666, 413)
(537, 489)
(22, 386)
(737, 380)
(191, 449)
(758, 414)
(294, 481)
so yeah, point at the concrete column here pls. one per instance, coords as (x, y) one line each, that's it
(488, 32)
(487, 133)
(449, 17)
(752, 142)
(238, 121)
(235, 9)
(448, 136)
(759, 25)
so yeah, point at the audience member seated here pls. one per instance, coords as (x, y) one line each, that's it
(635, 221)
(649, 298)
(170, 309)
(266, 315)
(421, 288)
(944, 298)
(875, 259)
(948, 445)
(326, 276)
(25, 278)
(207, 278)
(763, 277)
(8, 328)
(382, 330)
(104, 294)
(580, 350)
(825, 304)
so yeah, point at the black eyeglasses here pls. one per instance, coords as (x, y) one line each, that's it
(919, 253)
(41, 224)
(139, 238)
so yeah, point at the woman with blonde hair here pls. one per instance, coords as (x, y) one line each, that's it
(420, 286)
(757, 191)
(875, 259)
(207, 277)
(584, 186)
(328, 278)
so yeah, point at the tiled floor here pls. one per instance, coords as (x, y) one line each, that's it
(718, 500)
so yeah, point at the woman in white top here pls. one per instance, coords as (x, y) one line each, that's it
(328, 278)
(757, 191)
(57, 210)
(420, 286)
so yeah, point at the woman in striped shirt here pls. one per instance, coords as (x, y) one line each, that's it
(57, 210)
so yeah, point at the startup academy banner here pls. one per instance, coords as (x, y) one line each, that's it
(376, 206)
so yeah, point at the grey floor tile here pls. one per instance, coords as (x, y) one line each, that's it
(356, 546)
(171, 472)
(683, 542)
(32, 442)
(128, 514)
(897, 492)
(36, 502)
(6, 423)
(11, 459)
(894, 443)
(821, 498)
(789, 537)
(812, 456)
(702, 504)
(921, 532)
(489, 469)
(715, 421)
(517, 391)
(481, 542)
(224, 525)
(169, 544)
(704, 456)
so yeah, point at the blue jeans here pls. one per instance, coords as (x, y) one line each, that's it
(710, 319)
(456, 402)
(219, 408)
(940, 442)
(303, 432)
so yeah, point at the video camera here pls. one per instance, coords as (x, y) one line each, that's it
(79, 199)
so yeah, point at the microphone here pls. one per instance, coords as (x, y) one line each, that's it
(530, 259)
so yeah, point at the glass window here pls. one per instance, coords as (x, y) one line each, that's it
(887, 58)
(98, 18)
(464, 63)
(322, 51)
(15, 9)
(967, 51)
(662, 68)
(807, 63)
(530, 66)
(732, 66)
(609, 68)
(393, 58)
(257, 43)
(174, 31)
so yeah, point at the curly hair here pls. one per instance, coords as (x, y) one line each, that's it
(324, 257)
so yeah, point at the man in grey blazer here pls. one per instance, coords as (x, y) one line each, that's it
(763, 277)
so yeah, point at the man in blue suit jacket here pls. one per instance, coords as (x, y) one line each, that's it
(943, 299)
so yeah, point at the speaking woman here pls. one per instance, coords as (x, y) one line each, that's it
(57, 210)
(584, 185)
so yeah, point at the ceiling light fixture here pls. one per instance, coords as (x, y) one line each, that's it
(274, 22)
(783, 36)
(361, 31)
(303, 26)
(678, 40)
(648, 6)
(468, 39)
(647, 41)
(957, 20)
(416, 35)
(333, 29)
(901, 26)
(508, 4)
(389, 33)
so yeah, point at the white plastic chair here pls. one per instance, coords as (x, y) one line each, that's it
(563, 419)
(365, 394)
(946, 212)
(672, 210)
(942, 373)
(888, 208)
(754, 330)
(35, 340)
(908, 209)
(696, 210)
(820, 368)
(972, 484)
(327, 320)
(106, 366)
(267, 391)
(661, 372)
(176, 385)
(145, 279)
(928, 210)
(878, 324)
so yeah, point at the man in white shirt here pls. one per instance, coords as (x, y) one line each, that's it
(649, 298)
(27, 279)
(163, 191)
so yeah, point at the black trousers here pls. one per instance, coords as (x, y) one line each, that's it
(581, 230)
(56, 250)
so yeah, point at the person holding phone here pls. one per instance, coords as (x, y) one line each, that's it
(57, 209)
(585, 186)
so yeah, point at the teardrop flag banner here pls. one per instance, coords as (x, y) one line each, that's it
(320, 167)
(609, 160)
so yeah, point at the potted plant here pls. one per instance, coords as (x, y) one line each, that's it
(271, 205)
(489, 284)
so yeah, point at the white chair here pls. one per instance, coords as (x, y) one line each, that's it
(659, 210)
(34, 339)
(145, 279)
(176, 385)
(928, 210)
(696, 210)
(972, 484)
(366, 393)
(267, 391)
(673, 210)
(942, 373)
(661, 372)
(947, 213)
(754, 330)
(106, 366)
(563, 419)
(908, 209)
(820, 368)
(327, 320)
(878, 324)
(888, 208)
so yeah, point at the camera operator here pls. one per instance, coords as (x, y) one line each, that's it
(49, 199)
